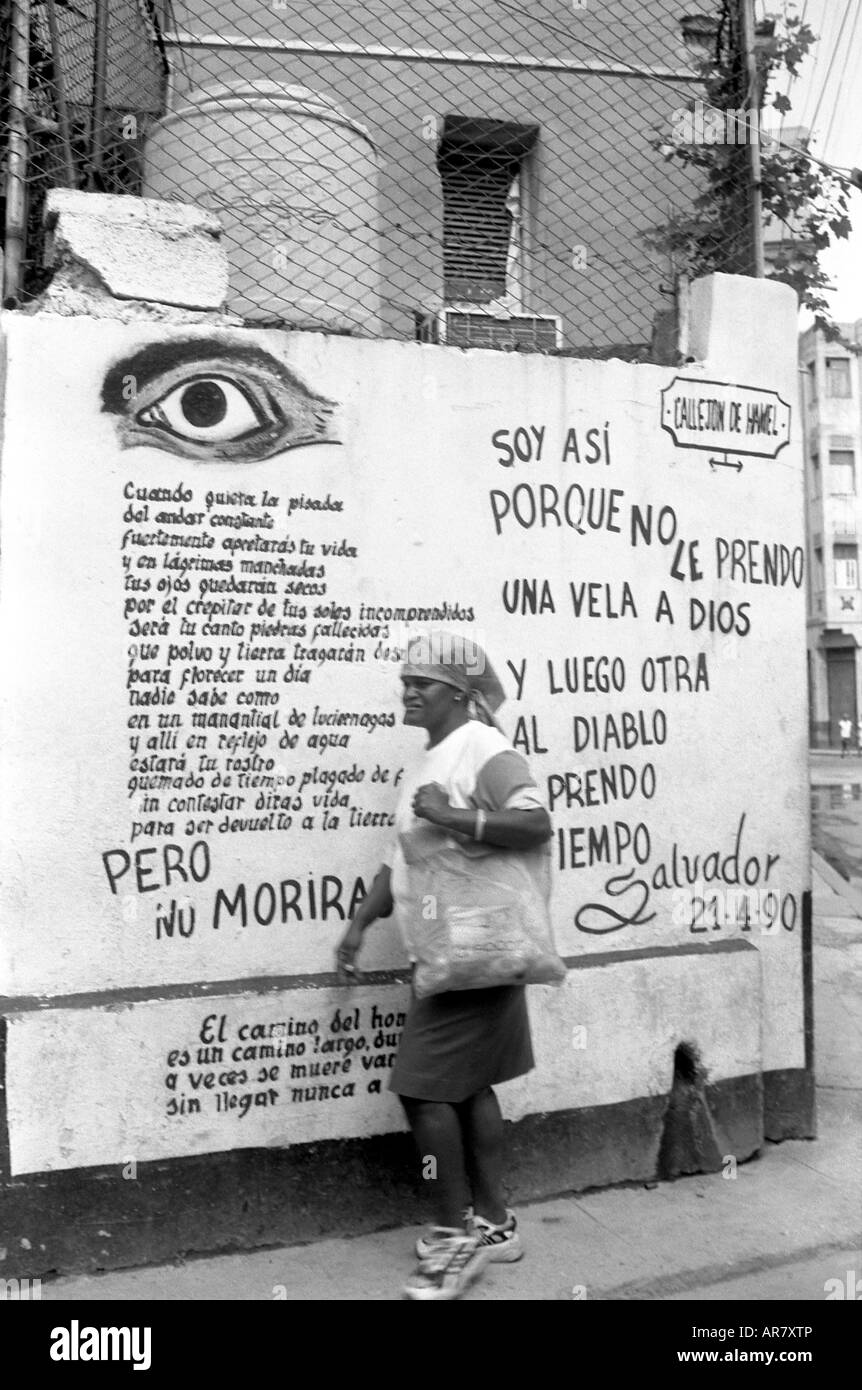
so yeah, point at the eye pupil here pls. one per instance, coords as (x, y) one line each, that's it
(204, 403)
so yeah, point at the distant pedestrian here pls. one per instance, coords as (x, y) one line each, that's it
(845, 729)
(859, 737)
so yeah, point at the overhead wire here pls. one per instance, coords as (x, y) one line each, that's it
(840, 83)
(835, 48)
(793, 76)
(559, 32)
(811, 81)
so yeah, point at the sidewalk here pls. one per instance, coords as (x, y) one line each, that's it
(827, 765)
(837, 784)
(787, 1222)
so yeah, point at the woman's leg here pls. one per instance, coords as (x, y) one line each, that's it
(437, 1133)
(482, 1128)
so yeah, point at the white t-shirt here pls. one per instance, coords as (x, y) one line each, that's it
(845, 727)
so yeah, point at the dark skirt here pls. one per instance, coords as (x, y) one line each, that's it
(456, 1044)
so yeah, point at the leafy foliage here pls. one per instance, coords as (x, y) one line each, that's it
(808, 201)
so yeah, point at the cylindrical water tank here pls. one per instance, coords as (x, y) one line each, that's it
(294, 182)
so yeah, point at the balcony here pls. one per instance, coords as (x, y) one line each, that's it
(842, 516)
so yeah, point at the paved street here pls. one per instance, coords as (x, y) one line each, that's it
(836, 785)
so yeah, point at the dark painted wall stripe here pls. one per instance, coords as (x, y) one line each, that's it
(808, 977)
(273, 984)
(5, 1160)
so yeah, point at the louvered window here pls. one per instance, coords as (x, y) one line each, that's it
(480, 165)
(838, 376)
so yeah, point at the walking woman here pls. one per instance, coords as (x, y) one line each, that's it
(470, 786)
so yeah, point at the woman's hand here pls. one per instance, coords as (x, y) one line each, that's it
(431, 803)
(378, 903)
(346, 953)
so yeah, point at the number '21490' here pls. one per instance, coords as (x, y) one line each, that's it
(762, 910)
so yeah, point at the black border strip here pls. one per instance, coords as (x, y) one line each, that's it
(5, 1149)
(808, 976)
(276, 984)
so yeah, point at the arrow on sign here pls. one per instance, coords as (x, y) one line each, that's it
(725, 463)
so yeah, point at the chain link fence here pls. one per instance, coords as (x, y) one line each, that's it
(492, 174)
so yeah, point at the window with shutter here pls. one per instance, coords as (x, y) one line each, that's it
(477, 225)
(838, 376)
(480, 163)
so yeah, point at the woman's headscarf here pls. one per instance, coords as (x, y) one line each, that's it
(460, 662)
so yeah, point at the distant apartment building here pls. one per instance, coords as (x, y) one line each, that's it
(831, 374)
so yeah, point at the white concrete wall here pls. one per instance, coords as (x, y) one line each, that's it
(416, 452)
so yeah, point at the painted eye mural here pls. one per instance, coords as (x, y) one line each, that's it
(213, 399)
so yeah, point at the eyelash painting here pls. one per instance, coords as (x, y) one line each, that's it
(213, 400)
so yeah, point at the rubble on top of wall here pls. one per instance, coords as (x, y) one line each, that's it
(130, 258)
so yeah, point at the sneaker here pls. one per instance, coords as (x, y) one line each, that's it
(432, 1235)
(503, 1243)
(453, 1264)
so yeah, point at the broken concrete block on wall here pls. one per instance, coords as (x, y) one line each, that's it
(138, 251)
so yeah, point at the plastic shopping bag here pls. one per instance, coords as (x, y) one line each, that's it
(481, 921)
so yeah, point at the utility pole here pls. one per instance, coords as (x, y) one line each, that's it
(752, 105)
(16, 168)
(100, 67)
